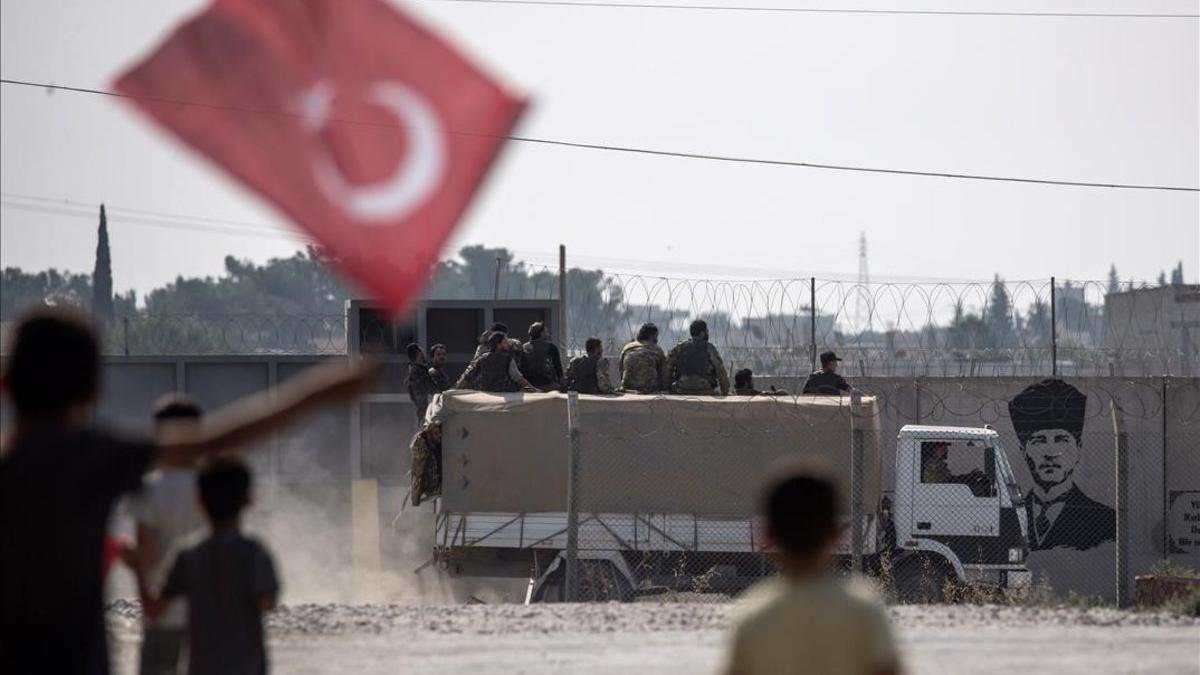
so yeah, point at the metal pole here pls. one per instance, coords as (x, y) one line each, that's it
(572, 576)
(1121, 440)
(812, 320)
(562, 299)
(496, 283)
(1166, 505)
(856, 483)
(1053, 330)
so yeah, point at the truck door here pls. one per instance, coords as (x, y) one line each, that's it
(955, 493)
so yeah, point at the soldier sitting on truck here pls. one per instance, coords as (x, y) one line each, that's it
(495, 371)
(589, 374)
(426, 463)
(826, 380)
(743, 385)
(514, 345)
(643, 363)
(420, 385)
(540, 361)
(694, 366)
(437, 368)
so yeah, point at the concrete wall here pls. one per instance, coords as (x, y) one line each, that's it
(308, 470)
(1162, 420)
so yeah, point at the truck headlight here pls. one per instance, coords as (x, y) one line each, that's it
(1015, 554)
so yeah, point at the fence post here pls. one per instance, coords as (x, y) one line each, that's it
(812, 321)
(125, 333)
(562, 299)
(572, 573)
(1166, 500)
(1053, 329)
(856, 482)
(1121, 447)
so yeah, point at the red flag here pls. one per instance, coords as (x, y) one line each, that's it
(362, 126)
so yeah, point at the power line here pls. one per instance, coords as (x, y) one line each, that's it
(861, 169)
(64, 202)
(659, 153)
(823, 10)
(147, 222)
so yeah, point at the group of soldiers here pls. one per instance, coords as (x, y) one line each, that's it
(504, 364)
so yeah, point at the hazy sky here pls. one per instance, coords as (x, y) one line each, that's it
(1092, 99)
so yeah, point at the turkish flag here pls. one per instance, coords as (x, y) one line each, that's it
(362, 126)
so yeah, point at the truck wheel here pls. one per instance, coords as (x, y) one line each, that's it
(553, 589)
(921, 580)
(600, 581)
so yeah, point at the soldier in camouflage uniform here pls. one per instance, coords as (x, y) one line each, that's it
(420, 385)
(495, 371)
(437, 368)
(589, 374)
(514, 345)
(743, 385)
(426, 463)
(643, 363)
(540, 361)
(694, 366)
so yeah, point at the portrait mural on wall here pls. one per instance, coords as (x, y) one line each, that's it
(1048, 418)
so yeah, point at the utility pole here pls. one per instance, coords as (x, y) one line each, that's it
(864, 300)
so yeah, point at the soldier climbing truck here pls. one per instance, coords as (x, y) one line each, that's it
(665, 494)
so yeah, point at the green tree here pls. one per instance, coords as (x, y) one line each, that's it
(999, 317)
(1177, 275)
(20, 290)
(967, 331)
(1037, 324)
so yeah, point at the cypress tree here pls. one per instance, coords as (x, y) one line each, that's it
(102, 290)
(1114, 283)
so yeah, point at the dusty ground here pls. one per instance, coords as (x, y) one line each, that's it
(687, 638)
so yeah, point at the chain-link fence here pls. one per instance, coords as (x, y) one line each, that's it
(777, 327)
(986, 487)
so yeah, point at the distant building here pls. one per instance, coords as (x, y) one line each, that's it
(1154, 331)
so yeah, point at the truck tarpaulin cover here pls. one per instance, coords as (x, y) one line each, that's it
(640, 454)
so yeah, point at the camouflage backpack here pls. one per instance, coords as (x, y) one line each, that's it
(641, 370)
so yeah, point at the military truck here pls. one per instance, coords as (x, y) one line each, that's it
(666, 488)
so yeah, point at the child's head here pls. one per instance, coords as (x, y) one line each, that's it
(224, 486)
(175, 415)
(53, 369)
(802, 507)
(176, 407)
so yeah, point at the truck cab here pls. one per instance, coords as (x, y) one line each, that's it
(956, 511)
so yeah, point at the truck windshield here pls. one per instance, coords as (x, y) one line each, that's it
(958, 460)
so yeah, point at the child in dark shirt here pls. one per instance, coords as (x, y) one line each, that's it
(228, 580)
(60, 475)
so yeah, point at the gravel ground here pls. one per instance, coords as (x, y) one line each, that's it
(687, 638)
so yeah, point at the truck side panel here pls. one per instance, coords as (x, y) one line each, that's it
(507, 453)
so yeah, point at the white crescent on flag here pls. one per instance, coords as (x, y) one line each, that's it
(416, 176)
